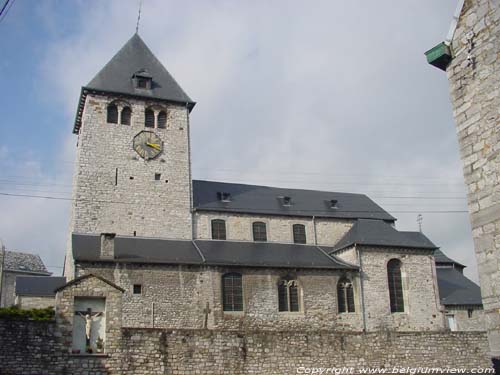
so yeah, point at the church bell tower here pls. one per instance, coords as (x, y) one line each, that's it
(132, 172)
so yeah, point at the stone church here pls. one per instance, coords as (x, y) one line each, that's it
(170, 275)
(204, 254)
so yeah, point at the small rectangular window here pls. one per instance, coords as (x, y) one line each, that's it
(157, 176)
(137, 289)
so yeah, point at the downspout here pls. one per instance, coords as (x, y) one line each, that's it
(362, 289)
(314, 228)
(191, 199)
(2, 252)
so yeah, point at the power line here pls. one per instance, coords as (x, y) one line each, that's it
(239, 208)
(68, 192)
(4, 11)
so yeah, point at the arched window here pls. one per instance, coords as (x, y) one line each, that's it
(299, 233)
(218, 229)
(345, 295)
(162, 120)
(232, 292)
(125, 116)
(149, 118)
(395, 285)
(259, 231)
(288, 295)
(112, 117)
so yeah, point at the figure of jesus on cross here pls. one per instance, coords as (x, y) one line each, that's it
(88, 316)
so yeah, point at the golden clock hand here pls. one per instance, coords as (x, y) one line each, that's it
(154, 145)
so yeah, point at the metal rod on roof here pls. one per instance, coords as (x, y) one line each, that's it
(138, 18)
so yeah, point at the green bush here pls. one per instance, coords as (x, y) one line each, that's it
(15, 313)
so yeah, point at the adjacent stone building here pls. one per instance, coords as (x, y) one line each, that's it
(18, 264)
(460, 297)
(37, 291)
(470, 56)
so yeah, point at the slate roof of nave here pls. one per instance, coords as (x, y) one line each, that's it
(266, 200)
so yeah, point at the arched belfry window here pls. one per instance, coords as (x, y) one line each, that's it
(288, 295)
(112, 114)
(149, 118)
(162, 120)
(299, 233)
(395, 285)
(218, 229)
(125, 116)
(259, 231)
(345, 295)
(232, 292)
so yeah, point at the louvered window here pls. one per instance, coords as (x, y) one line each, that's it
(112, 115)
(162, 120)
(125, 116)
(395, 285)
(259, 231)
(232, 292)
(288, 295)
(149, 119)
(218, 229)
(299, 233)
(345, 296)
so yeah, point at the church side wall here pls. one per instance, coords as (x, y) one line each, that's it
(422, 311)
(279, 228)
(348, 255)
(176, 297)
(474, 87)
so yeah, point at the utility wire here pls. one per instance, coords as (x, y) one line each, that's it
(239, 208)
(4, 11)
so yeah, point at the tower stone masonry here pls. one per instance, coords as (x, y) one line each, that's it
(116, 190)
(474, 78)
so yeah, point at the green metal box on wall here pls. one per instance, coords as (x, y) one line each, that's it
(439, 56)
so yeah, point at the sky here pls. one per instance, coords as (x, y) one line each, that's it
(329, 95)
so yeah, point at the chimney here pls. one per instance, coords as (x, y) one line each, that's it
(108, 245)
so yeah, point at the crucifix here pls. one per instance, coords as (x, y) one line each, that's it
(206, 311)
(88, 316)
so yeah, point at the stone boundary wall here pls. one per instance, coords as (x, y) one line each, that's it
(33, 348)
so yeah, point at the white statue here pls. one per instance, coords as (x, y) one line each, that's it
(88, 317)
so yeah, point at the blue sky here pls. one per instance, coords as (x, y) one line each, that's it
(330, 95)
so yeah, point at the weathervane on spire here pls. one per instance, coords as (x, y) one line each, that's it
(138, 17)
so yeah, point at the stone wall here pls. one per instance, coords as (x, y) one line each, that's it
(474, 87)
(115, 190)
(322, 231)
(177, 296)
(33, 348)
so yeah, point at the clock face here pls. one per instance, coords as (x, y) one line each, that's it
(147, 144)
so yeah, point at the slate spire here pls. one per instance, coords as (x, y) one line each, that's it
(135, 57)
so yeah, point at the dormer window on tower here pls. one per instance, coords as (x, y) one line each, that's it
(142, 80)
